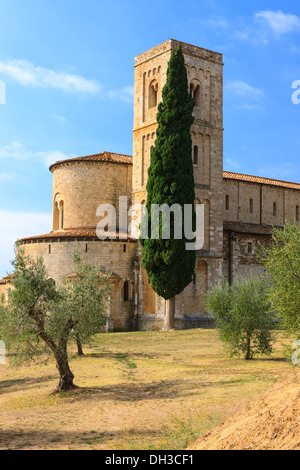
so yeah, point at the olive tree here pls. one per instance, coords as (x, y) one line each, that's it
(243, 315)
(282, 263)
(41, 317)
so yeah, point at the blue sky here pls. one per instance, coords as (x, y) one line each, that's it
(67, 67)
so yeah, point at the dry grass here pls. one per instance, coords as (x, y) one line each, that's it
(143, 390)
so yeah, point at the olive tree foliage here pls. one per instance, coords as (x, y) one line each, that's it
(243, 315)
(41, 318)
(282, 262)
(86, 297)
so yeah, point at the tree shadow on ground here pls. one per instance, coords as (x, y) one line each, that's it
(16, 385)
(114, 355)
(134, 392)
(268, 359)
(22, 440)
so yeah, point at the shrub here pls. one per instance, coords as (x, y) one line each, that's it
(243, 316)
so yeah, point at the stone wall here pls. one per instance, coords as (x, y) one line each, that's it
(114, 257)
(241, 254)
(82, 186)
(263, 196)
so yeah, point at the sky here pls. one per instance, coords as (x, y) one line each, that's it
(66, 89)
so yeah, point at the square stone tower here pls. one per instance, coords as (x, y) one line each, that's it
(205, 77)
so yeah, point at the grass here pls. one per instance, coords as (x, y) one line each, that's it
(141, 390)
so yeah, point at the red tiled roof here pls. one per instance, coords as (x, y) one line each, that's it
(108, 157)
(111, 157)
(260, 179)
(79, 233)
(5, 280)
(241, 227)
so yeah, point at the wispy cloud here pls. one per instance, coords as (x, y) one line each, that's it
(248, 96)
(284, 172)
(243, 89)
(279, 22)
(5, 177)
(28, 74)
(232, 164)
(126, 94)
(17, 151)
(58, 118)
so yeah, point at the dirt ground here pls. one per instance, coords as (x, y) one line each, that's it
(142, 390)
(272, 422)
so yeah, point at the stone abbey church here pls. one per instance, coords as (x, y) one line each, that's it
(240, 210)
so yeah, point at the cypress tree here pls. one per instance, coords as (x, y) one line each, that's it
(169, 265)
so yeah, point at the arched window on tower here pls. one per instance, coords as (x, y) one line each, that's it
(274, 209)
(153, 92)
(195, 90)
(251, 206)
(297, 214)
(195, 155)
(61, 214)
(227, 203)
(126, 291)
(55, 216)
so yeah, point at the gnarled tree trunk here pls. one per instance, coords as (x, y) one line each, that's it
(66, 376)
(79, 346)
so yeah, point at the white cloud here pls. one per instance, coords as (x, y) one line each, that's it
(28, 74)
(230, 163)
(126, 94)
(242, 89)
(16, 225)
(279, 22)
(17, 151)
(285, 172)
(58, 118)
(5, 177)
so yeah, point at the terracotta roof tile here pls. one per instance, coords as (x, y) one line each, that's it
(241, 227)
(260, 179)
(111, 157)
(108, 157)
(78, 233)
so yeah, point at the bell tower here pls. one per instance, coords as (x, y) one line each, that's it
(205, 78)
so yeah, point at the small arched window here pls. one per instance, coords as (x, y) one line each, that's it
(251, 206)
(55, 217)
(153, 92)
(195, 155)
(62, 214)
(126, 291)
(227, 203)
(274, 209)
(195, 90)
(297, 214)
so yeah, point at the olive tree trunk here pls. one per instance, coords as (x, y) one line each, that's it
(79, 346)
(66, 376)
